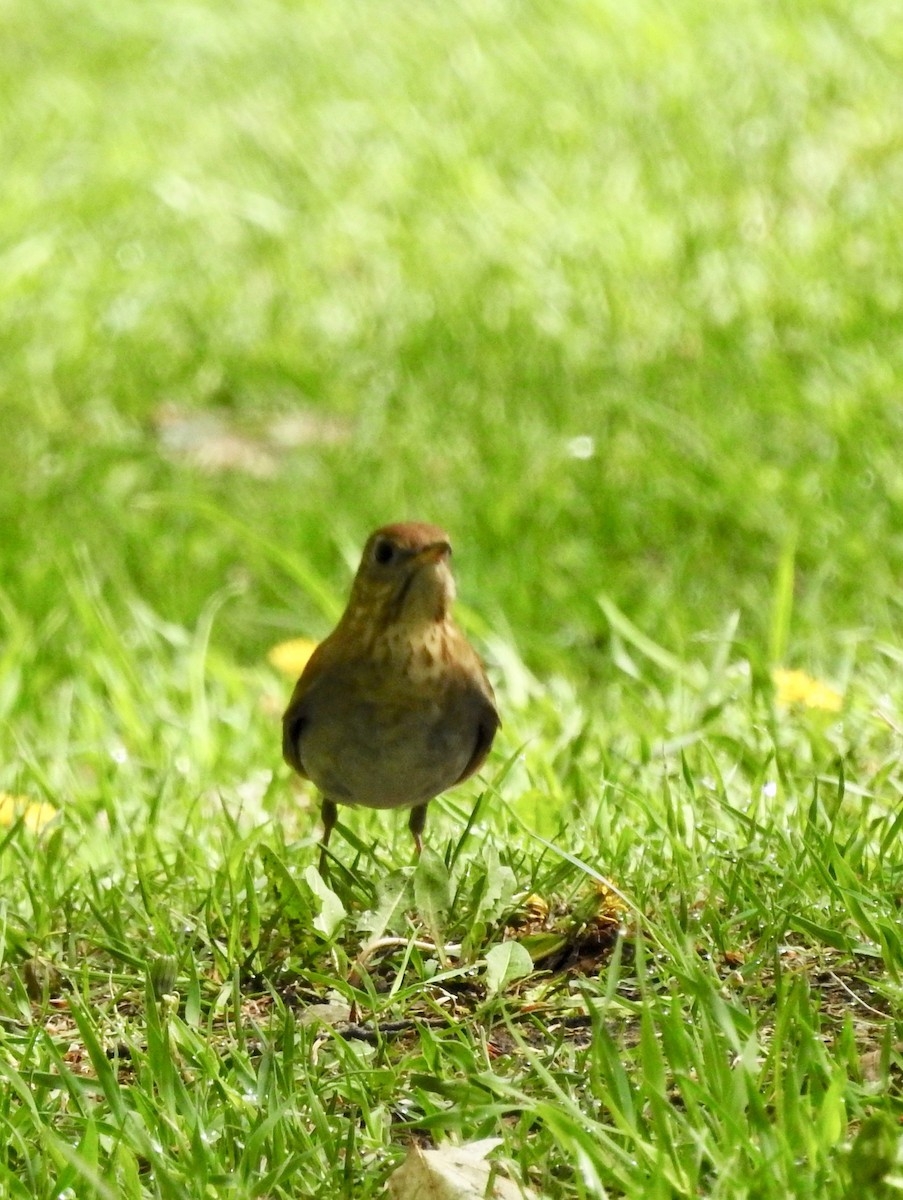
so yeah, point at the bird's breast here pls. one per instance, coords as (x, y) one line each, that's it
(390, 738)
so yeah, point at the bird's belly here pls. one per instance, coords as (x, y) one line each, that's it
(381, 760)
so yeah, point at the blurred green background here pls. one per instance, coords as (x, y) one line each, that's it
(612, 292)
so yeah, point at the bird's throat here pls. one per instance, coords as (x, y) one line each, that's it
(421, 653)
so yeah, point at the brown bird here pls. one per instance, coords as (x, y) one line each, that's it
(394, 706)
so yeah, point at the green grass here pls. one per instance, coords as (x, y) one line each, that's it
(613, 294)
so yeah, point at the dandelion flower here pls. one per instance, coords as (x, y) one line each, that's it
(34, 816)
(796, 687)
(291, 657)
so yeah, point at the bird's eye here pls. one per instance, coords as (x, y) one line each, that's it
(383, 552)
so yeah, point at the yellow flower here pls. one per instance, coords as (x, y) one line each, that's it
(34, 816)
(291, 657)
(796, 687)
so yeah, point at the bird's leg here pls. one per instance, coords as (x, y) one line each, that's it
(330, 815)
(416, 824)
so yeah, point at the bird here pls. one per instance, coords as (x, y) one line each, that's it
(394, 706)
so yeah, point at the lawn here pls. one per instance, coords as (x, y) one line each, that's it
(615, 295)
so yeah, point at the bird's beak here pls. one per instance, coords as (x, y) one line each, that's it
(433, 553)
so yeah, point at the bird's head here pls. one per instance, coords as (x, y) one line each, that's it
(404, 578)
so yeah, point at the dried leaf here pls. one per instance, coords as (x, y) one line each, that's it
(337, 1012)
(211, 442)
(451, 1172)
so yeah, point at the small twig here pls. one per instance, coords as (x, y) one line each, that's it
(373, 1033)
(390, 943)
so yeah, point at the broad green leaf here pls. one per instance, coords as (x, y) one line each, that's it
(499, 889)
(505, 963)
(331, 913)
(286, 890)
(432, 891)
(543, 945)
(394, 895)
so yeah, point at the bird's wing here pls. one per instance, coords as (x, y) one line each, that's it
(297, 713)
(292, 725)
(487, 723)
